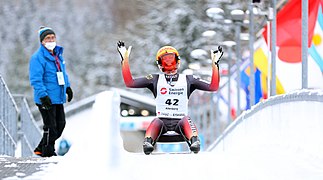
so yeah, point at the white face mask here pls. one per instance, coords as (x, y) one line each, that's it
(50, 45)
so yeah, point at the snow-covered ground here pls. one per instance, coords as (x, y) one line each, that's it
(97, 153)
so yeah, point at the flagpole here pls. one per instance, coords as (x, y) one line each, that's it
(238, 54)
(269, 59)
(229, 85)
(251, 49)
(273, 50)
(269, 19)
(304, 43)
(238, 17)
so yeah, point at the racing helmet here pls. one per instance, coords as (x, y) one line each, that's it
(167, 59)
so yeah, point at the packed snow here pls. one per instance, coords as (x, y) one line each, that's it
(97, 153)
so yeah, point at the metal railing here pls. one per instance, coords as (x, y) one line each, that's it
(8, 121)
(212, 111)
(205, 113)
(29, 132)
(17, 125)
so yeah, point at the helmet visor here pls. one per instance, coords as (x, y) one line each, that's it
(168, 62)
(168, 58)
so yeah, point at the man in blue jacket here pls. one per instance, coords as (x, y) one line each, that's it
(50, 82)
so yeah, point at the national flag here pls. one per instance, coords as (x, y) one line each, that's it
(289, 41)
(316, 49)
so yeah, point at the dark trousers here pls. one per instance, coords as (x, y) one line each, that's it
(54, 124)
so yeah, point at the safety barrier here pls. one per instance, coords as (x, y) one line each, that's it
(19, 133)
(29, 132)
(272, 124)
(8, 121)
(205, 113)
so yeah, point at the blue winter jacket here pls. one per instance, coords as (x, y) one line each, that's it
(43, 77)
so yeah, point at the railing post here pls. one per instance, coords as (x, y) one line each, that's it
(8, 121)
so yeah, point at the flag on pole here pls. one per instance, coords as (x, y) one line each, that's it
(289, 41)
(316, 49)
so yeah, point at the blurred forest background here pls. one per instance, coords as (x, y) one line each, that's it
(89, 31)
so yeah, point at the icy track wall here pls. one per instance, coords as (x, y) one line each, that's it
(291, 122)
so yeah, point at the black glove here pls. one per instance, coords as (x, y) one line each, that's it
(69, 93)
(216, 55)
(46, 103)
(123, 51)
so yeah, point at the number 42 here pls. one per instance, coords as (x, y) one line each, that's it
(173, 102)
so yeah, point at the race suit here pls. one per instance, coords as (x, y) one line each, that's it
(171, 109)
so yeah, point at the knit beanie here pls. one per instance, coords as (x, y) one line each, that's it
(44, 31)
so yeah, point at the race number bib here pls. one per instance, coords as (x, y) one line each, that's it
(172, 101)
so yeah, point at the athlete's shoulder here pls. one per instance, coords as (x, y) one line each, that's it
(152, 76)
(192, 77)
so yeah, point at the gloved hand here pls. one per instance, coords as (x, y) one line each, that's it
(46, 103)
(69, 93)
(216, 55)
(124, 53)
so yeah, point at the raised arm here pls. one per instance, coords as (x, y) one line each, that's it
(216, 57)
(126, 73)
(141, 82)
(197, 83)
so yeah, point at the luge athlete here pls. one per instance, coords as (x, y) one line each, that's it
(171, 91)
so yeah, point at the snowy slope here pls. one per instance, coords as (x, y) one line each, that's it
(93, 156)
